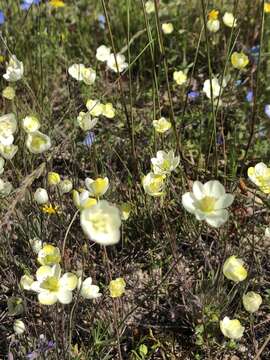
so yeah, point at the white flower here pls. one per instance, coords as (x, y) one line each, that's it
(65, 186)
(30, 124)
(267, 232)
(154, 184)
(260, 175)
(8, 126)
(165, 163)
(149, 6)
(14, 71)
(231, 328)
(213, 25)
(85, 121)
(37, 142)
(208, 202)
(18, 327)
(87, 289)
(108, 111)
(8, 151)
(120, 60)
(162, 125)
(51, 287)
(2, 164)
(215, 88)
(8, 93)
(97, 187)
(82, 73)
(83, 200)
(101, 223)
(167, 28)
(36, 245)
(41, 196)
(5, 188)
(103, 53)
(229, 20)
(94, 107)
(233, 269)
(252, 301)
(26, 282)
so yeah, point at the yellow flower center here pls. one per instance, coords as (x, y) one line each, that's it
(213, 15)
(207, 204)
(99, 223)
(99, 186)
(51, 284)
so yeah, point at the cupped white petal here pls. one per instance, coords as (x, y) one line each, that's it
(47, 298)
(198, 190)
(64, 296)
(217, 218)
(188, 201)
(224, 201)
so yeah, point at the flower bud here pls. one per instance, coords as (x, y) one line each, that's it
(117, 287)
(234, 270)
(53, 178)
(65, 186)
(252, 301)
(18, 327)
(41, 196)
(231, 328)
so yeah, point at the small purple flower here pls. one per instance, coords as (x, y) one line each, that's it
(249, 96)
(255, 52)
(89, 139)
(267, 110)
(220, 139)
(193, 95)
(2, 17)
(102, 21)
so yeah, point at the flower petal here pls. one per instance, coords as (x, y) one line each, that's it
(224, 201)
(47, 298)
(64, 296)
(214, 188)
(188, 202)
(217, 218)
(198, 190)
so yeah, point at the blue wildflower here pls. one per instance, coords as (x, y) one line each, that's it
(267, 110)
(220, 139)
(101, 21)
(249, 96)
(192, 95)
(89, 139)
(26, 4)
(2, 17)
(255, 52)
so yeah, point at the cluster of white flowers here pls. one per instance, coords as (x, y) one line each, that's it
(115, 62)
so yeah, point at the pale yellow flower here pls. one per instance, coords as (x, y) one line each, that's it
(65, 186)
(103, 53)
(108, 111)
(125, 209)
(167, 28)
(260, 175)
(117, 287)
(164, 163)
(53, 178)
(252, 301)
(85, 121)
(94, 107)
(162, 125)
(8, 93)
(239, 60)
(97, 187)
(49, 255)
(179, 77)
(26, 282)
(37, 142)
(154, 184)
(101, 223)
(83, 200)
(231, 328)
(234, 270)
(8, 151)
(229, 20)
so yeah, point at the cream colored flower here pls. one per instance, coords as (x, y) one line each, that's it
(215, 88)
(37, 142)
(49, 255)
(213, 23)
(8, 93)
(231, 328)
(52, 287)
(85, 121)
(162, 125)
(83, 200)
(8, 126)
(117, 287)
(229, 20)
(26, 282)
(260, 175)
(101, 223)
(108, 111)
(30, 124)
(98, 187)
(82, 73)
(117, 62)
(89, 76)
(87, 289)
(165, 163)
(167, 28)
(179, 77)
(41, 196)
(149, 7)
(103, 53)
(53, 178)
(239, 60)
(65, 186)
(8, 151)
(14, 71)
(154, 184)
(252, 301)
(5, 188)
(208, 202)
(94, 107)
(234, 270)
(36, 244)
(18, 327)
